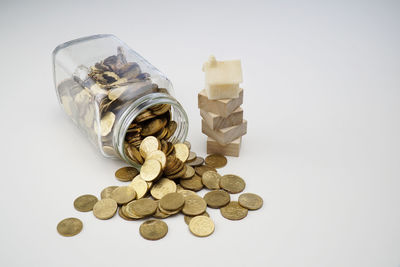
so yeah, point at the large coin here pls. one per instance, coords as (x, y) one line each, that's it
(153, 229)
(149, 144)
(188, 218)
(216, 160)
(193, 183)
(202, 169)
(194, 205)
(158, 155)
(123, 194)
(232, 183)
(211, 179)
(126, 174)
(172, 201)
(233, 211)
(106, 192)
(181, 151)
(140, 186)
(250, 201)
(201, 226)
(144, 206)
(217, 198)
(85, 203)
(196, 162)
(69, 227)
(105, 209)
(162, 187)
(152, 127)
(189, 172)
(150, 170)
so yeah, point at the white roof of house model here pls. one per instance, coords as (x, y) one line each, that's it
(222, 72)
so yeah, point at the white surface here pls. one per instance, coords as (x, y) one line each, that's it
(322, 95)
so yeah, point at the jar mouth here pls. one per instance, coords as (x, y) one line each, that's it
(121, 127)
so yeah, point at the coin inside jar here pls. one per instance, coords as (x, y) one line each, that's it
(69, 227)
(201, 226)
(211, 179)
(233, 211)
(126, 174)
(216, 160)
(250, 201)
(123, 194)
(85, 203)
(153, 229)
(172, 201)
(217, 198)
(105, 209)
(232, 183)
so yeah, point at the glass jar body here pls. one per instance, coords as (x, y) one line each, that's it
(103, 85)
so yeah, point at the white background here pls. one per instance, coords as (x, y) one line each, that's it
(322, 95)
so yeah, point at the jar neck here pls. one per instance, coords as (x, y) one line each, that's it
(121, 126)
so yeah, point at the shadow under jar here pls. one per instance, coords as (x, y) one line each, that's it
(116, 97)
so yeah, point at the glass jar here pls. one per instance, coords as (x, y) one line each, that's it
(106, 88)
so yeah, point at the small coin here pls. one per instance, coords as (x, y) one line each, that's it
(194, 205)
(189, 172)
(129, 212)
(233, 211)
(149, 144)
(198, 161)
(126, 174)
(153, 229)
(140, 186)
(181, 151)
(211, 179)
(201, 226)
(185, 192)
(162, 187)
(250, 201)
(192, 156)
(202, 169)
(144, 206)
(123, 194)
(158, 155)
(217, 198)
(216, 160)
(188, 218)
(134, 154)
(106, 192)
(85, 203)
(105, 209)
(169, 212)
(193, 183)
(172, 201)
(151, 170)
(69, 227)
(232, 183)
(160, 215)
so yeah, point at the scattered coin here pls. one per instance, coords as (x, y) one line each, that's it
(172, 201)
(187, 143)
(201, 226)
(126, 174)
(158, 155)
(85, 203)
(149, 144)
(162, 187)
(150, 170)
(216, 160)
(192, 156)
(153, 229)
(188, 173)
(69, 227)
(123, 194)
(186, 193)
(211, 179)
(122, 214)
(217, 198)
(105, 209)
(106, 193)
(160, 215)
(129, 212)
(233, 211)
(193, 183)
(140, 186)
(202, 169)
(194, 205)
(181, 151)
(250, 201)
(232, 183)
(144, 206)
(196, 162)
(188, 218)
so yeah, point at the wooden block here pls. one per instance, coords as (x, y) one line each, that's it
(222, 107)
(218, 122)
(231, 149)
(226, 135)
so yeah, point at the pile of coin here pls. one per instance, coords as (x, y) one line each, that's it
(165, 186)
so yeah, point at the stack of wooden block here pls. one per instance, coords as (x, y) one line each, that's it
(219, 104)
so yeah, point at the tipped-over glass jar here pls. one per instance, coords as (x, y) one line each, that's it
(116, 97)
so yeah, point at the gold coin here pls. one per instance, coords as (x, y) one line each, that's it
(172, 125)
(149, 144)
(194, 205)
(211, 179)
(158, 155)
(126, 174)
(162, 187)
(134, 154)
(232, 183)
(181, 151)
(189, 173)
(151, 170)
(185, 192)
(85, 203)
(122, 214)
(153, 126)
(169, 212)
(144, 206)
(188, 218)
(105, 209)
(129, 212)
(192, 156)
(202, 169)
(179, 174)
(193, 183)
(198, 161)
(217, 198)
(140, 186)
(106, 123)
(69, 227)
(123, 194)
(172, 201)
(201, 226)
(153, 229)
(160, 215)
(216, 160)
(250, 201)
(106, 192)
(187, 143)
(233, 211)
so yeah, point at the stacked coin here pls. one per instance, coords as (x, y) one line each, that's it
(166, 186)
